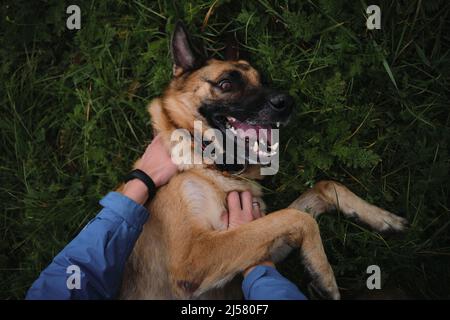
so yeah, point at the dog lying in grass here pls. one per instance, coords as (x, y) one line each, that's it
(185, 250)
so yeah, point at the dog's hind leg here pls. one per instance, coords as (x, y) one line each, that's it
(329, 195)
(215, 257)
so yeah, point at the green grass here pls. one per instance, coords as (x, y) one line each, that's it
(372, 112)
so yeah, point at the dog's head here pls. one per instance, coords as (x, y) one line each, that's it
(222, 94)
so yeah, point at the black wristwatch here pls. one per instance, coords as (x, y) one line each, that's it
(141, 175)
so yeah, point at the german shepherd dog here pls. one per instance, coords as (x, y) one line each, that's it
(185, 250)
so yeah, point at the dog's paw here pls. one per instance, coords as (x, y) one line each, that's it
(390, 222)
(383, 221)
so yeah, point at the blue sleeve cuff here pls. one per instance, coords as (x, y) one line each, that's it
(266, 283)
(132, 212)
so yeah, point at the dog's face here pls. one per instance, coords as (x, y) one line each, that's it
(222, 94)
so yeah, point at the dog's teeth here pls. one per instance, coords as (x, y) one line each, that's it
(275, 147)
(278, 124)
(228, 125)
(255, 147)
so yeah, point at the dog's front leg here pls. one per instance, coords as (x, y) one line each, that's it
(215, 257)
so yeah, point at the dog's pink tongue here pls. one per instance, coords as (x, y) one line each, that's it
(248, 129)
(242, 125)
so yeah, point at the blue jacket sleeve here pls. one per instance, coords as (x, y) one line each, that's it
(266, 283)
(99, 252)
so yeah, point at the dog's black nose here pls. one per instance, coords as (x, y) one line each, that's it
(281, 102)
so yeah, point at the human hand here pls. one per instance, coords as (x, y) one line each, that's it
(157, 164)
(241, 209)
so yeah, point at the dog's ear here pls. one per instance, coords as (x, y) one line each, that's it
(184, 58)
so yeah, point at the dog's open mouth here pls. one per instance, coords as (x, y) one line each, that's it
(258, 137)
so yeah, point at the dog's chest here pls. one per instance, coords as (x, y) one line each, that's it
(205, 198)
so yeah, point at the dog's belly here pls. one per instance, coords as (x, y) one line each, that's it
(204, 203)
(189, 203)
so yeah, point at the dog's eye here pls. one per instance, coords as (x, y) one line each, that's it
(225, 85)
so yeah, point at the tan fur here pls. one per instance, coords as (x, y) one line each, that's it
(185, 250)
(329, 195)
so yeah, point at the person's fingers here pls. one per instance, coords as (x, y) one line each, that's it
(246, 201)
(225, 219)
(256, 209)
(234, 203)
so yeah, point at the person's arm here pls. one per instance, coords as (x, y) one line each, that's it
(264, 282)
(98, 253)
(261, 282)
(101, 249)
